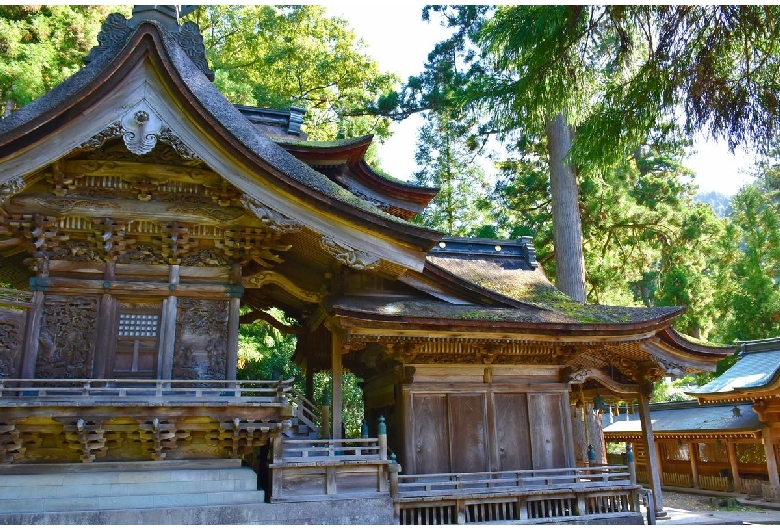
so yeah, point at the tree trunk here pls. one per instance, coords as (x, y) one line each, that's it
(567, 227)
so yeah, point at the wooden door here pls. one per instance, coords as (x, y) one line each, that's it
(548, 439)
(468, 433)
(137, 340)
(513, 442)
(430, 433)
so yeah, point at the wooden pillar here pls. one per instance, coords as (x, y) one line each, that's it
(653, 461)
(234, 313)
(336, 371)
(732, 451)
(31, 334)
(106, 337)
(168, 327)
(693, 454)
(232, 353)
(771, 460)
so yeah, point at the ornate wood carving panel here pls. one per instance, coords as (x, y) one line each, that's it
(201, 345)
(67, 338)
(11, 340)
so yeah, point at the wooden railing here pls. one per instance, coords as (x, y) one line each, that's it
(144, 390)
(329, 450)
(486, 482)
(306, 411)
(753, 488)
(568, 495)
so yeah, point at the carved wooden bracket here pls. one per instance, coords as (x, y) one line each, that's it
(158, 436)
(262, 278)
(582, 375)
(87, 437)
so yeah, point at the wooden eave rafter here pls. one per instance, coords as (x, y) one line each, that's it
(685, 435)
(401, 241)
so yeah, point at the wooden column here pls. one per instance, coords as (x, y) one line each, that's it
(234, 310)
(732, 451)
(771, 460)
(336, 371)
(232, 353)
(32, 331)
(653, 462)
(693, 454)
(105, 342)
(168, 327)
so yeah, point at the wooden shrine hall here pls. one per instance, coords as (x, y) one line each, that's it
(144, 218)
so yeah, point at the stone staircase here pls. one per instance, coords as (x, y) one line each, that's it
(126, 486)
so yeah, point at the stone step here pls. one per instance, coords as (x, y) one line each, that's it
(129, 502)
(84, 490)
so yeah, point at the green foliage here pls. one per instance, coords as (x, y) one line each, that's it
(666, 391)
(265, 353)
(447, 161)
(41, 46)
(278, 56)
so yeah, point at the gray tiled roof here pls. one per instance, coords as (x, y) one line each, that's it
(753, 370)
(687, 417)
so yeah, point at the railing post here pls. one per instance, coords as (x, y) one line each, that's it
(382, 436)
(86, 388)
(364, 429)
(281, 397)
(631, 463)
(394, 469)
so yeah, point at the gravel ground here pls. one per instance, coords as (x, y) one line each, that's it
(696, 503)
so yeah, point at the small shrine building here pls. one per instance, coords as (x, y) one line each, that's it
(143, 218)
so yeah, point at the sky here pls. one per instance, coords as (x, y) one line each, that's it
(397, 38)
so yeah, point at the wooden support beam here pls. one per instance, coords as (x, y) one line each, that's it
(693, 454)
(732, 451)
(653, 461)
(771, 459)
(336, 372)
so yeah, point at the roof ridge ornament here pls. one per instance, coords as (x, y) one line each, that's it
(116, 30)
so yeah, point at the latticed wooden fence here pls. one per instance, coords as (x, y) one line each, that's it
(681, 480)
(770, 493)
(707, 482)
(753, 488)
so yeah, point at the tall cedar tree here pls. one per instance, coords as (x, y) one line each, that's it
(600, 79)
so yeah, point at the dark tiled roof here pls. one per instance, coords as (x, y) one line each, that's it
(687, 417)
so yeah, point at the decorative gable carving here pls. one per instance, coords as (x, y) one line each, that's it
(357, 259)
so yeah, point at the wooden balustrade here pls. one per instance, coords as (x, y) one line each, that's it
(143, 390)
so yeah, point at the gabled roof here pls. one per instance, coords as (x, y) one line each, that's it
(344, 162)
(147, 64)
(757, 370)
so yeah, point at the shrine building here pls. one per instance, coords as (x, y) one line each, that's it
(144, 218)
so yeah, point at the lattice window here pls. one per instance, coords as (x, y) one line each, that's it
(138, 325)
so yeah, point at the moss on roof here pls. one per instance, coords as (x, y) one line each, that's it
(513, 278)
